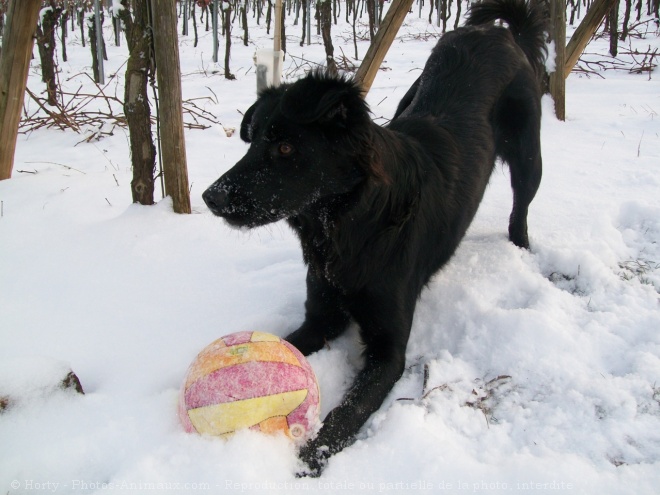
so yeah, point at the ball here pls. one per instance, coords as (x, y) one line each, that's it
(252, 380)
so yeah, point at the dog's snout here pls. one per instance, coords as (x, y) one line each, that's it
(216, 199)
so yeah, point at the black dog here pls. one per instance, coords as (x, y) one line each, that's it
(379, 210)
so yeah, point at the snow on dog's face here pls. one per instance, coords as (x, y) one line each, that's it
(309, 140)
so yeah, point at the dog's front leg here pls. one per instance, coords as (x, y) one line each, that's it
(385, 327)
(325, 316)
(342, 424)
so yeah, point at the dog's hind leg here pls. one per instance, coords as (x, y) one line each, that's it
(517, 126)
(325, 316)
(525, 179)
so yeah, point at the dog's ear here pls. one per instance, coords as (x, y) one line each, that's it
(247, 126)
(324, 99)
(258, 114)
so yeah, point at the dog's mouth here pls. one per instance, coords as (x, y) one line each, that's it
(243, 221)
(243, 213)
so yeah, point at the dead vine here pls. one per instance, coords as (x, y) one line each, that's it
(97, 113)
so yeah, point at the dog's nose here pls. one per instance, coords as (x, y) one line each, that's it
(215, 199)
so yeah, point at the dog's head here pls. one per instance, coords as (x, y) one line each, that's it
(309, 140)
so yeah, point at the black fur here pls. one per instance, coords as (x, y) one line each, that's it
(379, 210)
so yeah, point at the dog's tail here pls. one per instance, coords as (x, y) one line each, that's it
(527, 20)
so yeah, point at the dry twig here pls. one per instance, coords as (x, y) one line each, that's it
(95, 111)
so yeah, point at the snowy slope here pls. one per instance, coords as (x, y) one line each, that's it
(543, 367)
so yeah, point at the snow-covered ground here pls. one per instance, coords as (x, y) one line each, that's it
(543, 366)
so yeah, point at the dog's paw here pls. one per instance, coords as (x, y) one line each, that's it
(313, 461)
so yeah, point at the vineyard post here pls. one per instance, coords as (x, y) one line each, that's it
(277, 45)
(582, 35)
(17, 44)
(214, 24)
(309, 21)
(184, 17)
(557, 82)
(168, 72)
(368, 69)
(99, 41)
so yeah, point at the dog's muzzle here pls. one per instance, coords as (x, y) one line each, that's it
(234, 208)
(217, 199)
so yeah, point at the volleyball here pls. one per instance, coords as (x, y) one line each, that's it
(252, 380)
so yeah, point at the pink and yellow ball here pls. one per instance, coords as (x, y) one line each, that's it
(250, 380)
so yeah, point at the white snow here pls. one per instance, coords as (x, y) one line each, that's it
(42, 13)
(116, 7)
(543, 366)
(31, 377)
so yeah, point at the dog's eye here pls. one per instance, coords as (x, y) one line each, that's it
(285, 149)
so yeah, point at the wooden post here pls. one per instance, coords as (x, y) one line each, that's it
(381, 44)
(277, 44)
(168, 72)
(17, 44)
(557, 83)
(584, 32)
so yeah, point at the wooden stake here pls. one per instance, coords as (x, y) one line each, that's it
(584, 32)
(17, 46)
(168, 72)
(277, 44)
(277, 30)
(381, 44)
(557, 83)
